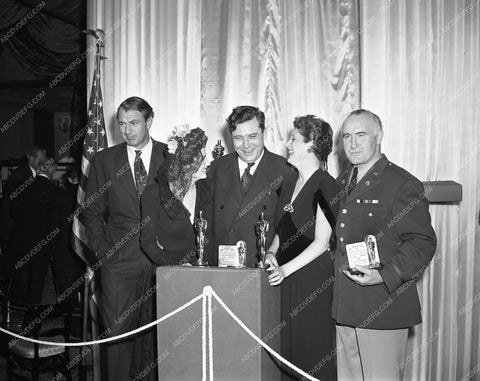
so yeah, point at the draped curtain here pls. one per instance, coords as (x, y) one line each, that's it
(415, 64)
(421, 73)
(196, 60)
(43, 44)
(153, 50)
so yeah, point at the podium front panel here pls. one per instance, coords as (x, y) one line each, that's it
(236, 355)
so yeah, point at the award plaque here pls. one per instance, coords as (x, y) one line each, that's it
(363, 253)
(232, 255)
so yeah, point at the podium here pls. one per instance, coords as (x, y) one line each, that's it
(236, 355)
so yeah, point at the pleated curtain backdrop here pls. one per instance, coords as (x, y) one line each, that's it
(421, 74)
(416, 64)
(196, 60)
(153, 50)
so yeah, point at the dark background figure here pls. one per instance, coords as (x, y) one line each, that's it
(300, 258)
(118, 176)
(32, 236)
(242, 178)
(67, 265)
(20, 177)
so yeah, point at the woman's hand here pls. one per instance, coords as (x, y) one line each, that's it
(276, 273)
(277, 276)
(271, 261)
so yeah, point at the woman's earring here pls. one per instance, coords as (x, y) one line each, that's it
(310, 149)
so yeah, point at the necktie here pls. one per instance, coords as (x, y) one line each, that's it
(247, 178)
(353, 180)
(140, 173)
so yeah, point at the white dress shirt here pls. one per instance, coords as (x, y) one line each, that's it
(145, 156)
(242, 165)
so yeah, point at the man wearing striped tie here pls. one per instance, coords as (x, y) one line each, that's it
(118, 176)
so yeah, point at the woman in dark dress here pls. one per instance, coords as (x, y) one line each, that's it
(169, 209)
(299, 258)
(170, 206)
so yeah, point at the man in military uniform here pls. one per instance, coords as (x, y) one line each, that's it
(373, 308)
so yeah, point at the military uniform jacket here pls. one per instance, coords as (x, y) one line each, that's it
(391, 204)
(235, 214)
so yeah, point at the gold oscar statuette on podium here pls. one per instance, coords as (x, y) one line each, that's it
(200, 225)
(261, 228)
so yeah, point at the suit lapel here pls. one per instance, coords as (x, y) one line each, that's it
(202, 200)
(155, 161)
(227, 174)
(125, 172)
(261, 180)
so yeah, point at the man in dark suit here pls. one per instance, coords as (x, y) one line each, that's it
(117, 178)
(67, 265)
(245, 184)
(33, 234)
(373, 308)
(19, 179)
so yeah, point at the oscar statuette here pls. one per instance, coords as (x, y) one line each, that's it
(218, 150)
(200, 225)
(261, 228)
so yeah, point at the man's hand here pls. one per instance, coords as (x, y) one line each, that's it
(369, 277)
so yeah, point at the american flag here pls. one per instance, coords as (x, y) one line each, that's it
(95, 140)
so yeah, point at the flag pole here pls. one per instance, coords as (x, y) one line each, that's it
(94, 141)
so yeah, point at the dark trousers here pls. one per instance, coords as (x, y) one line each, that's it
(122, 287)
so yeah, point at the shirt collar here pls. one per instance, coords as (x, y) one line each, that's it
(243, 165)
(146, 151)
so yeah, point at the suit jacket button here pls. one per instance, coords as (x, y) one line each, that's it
(342, 225)
(344, 211)
(342, 239)
(221, 206)
(264, 207)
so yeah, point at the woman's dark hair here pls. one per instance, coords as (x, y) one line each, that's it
(138, 104)
(185, 161)
(317, 131)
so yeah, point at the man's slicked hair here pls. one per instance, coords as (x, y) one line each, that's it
(34, 151)
(241, 114)
(138, 104)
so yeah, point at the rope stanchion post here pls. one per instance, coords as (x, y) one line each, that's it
(210, 334)
(207, 334)
(259, 341)
(207, 331)
(204, 336)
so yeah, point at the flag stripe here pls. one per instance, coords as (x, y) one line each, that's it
(95, 140)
